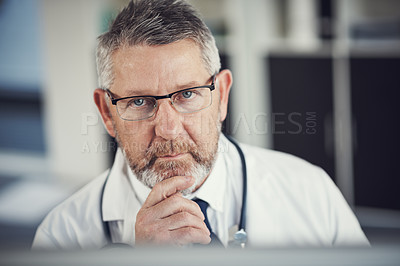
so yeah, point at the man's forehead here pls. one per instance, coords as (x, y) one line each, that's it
(145, 69)
(143, 51)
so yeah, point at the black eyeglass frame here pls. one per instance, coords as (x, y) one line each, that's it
(167, 96)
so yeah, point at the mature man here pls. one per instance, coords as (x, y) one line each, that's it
(176, 179)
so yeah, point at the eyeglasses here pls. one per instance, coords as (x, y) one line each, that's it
(191, 100)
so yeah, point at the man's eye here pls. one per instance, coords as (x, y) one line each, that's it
(187, 94)
(137, 102)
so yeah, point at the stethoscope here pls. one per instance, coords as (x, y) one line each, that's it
(239, 238)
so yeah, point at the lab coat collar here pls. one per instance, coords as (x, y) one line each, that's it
(116, 190)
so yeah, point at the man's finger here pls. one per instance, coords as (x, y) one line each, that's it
(166, 188)
(185, 219)
(188, 235)
(175, 204)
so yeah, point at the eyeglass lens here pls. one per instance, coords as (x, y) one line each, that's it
(188, 101)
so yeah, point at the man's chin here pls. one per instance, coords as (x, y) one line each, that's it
(151, 177)
(168, 173)
(164, 169)
(168, 169)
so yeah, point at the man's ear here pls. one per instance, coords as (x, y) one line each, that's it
(100, 100)
(224, 80)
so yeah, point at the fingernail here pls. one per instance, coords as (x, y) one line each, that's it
(188, 178)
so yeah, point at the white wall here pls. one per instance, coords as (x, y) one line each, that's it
(73, 127)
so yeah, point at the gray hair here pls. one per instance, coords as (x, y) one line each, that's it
(154, 22)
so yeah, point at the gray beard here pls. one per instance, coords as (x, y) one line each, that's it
(199, 171)
(150, 178)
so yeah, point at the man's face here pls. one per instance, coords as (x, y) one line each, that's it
(169, 143)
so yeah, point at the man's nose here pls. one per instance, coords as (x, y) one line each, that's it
(168, 124)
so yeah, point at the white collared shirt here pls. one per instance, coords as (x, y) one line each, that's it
(289, 203)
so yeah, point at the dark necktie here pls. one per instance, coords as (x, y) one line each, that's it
(203, 206)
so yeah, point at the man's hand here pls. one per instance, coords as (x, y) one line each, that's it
(166, 217)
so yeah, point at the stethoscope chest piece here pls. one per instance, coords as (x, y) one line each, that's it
(240, 238)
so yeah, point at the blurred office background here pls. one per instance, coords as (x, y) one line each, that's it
(315, 78)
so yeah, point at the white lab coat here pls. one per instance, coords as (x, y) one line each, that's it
(289, 203)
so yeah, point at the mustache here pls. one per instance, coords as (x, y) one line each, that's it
(159, 149)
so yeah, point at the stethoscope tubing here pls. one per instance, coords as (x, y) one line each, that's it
(242, 222)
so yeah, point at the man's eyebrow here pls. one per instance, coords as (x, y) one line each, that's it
(188, 85)
(135, 92)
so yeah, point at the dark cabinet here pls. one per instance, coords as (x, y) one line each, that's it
(375, 84)
(301, 99)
